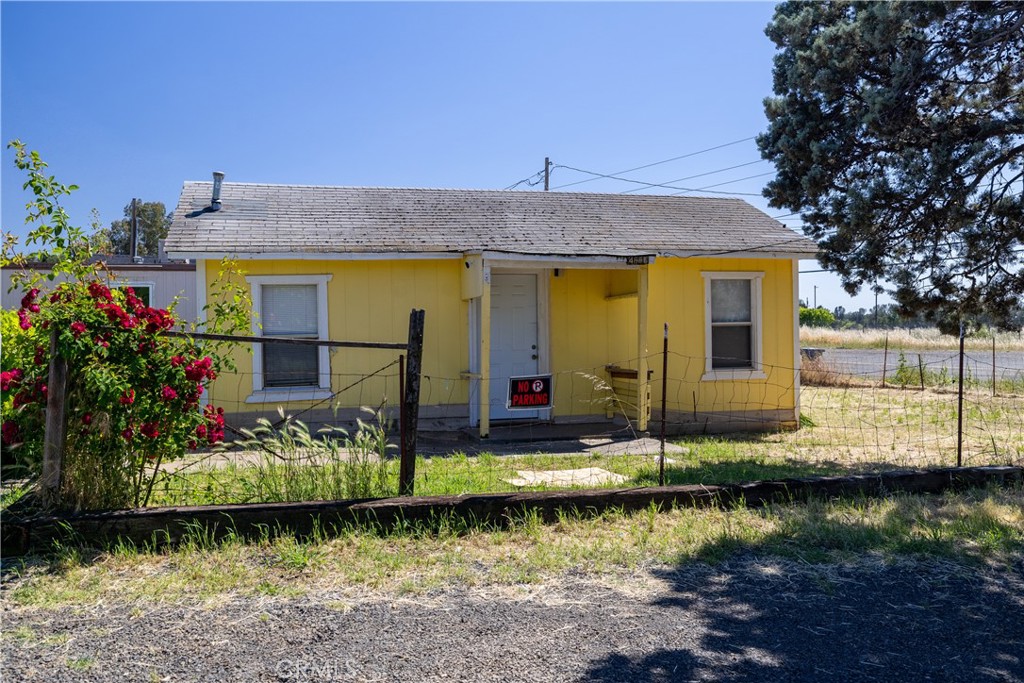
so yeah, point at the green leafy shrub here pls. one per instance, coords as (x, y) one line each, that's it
(816, 317)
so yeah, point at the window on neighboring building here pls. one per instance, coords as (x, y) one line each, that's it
(733, 335)
(143, 291)
(290, 306)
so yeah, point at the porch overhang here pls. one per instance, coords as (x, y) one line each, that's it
(477, 291)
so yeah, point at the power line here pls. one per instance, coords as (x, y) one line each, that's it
(638, 182)
(532, 181)
(699, 175)
(657, 163)
(728, 182)
(746, 250)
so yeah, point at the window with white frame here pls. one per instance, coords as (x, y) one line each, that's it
(290, 306)
(143, 290)
(732, 314)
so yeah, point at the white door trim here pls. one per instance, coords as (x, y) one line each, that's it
(543, 332)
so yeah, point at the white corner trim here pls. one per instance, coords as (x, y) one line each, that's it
(756, 370)
(256, 283)
(204, 398)
(797, 358)
(201, 294)
(285, 395)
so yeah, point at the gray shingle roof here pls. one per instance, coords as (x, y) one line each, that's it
(337, 220)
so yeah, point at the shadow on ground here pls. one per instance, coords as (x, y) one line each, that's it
(740, 470)
(768, 612)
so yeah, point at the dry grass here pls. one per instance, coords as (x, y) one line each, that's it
(874, 428)
(818, 372)
(923, 339)
(358, 564)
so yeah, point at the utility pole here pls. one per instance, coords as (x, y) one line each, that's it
(876, 309)
(815, 296)
(547, 173)
(133, 249)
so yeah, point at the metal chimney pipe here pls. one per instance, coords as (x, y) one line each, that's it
(218, 180)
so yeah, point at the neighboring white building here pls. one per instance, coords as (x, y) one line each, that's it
(156, 280)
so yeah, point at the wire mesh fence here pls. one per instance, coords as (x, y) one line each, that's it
(839, 413)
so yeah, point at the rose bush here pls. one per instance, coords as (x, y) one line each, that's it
(133, 395)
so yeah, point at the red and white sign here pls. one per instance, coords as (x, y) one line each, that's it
(529, 393)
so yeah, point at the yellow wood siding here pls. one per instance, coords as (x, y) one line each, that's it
(593, 320)
(594, 325)
(371, 301)
(677, 297)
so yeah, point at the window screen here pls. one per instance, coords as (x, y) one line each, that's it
(290, 311)
(732, 324)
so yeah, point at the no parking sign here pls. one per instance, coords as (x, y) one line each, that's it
(529, 393)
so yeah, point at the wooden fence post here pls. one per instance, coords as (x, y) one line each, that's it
(960, 404)
(411, 403)
(401, 407)
(56, 426)
(664, 394)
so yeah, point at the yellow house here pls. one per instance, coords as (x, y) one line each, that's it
(572, 285)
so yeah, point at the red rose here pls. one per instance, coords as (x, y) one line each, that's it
(168, 394)
(29, 299)
(149, 430)
(9, 432)
(98, 290)
(10, 379)
(77, 328)
(128, 397)
(127, 433)
(87, 419)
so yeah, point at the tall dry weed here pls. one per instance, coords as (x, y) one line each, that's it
(923, 339)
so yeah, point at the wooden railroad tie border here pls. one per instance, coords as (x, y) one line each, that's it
(170, 524)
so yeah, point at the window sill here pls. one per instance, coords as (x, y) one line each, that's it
(733, 374)
(286, 395)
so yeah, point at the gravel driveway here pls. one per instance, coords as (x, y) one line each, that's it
(748, 620)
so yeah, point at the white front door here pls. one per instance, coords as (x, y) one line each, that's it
(513, 338)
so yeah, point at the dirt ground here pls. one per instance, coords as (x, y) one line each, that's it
(752, 619)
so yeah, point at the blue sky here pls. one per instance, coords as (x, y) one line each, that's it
(131, 99)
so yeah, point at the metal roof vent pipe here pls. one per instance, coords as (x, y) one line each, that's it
(218, 180)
